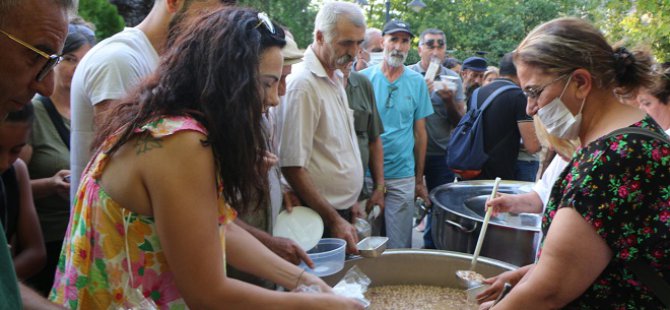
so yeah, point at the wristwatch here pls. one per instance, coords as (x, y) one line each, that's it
(381, 188)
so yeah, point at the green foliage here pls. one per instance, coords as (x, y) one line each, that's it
(495, 26)
(637, 23)
(297, 15)
(103, 15)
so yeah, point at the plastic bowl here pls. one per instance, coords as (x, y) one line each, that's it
(328, 257)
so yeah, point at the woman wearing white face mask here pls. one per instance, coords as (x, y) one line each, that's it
(608, 218)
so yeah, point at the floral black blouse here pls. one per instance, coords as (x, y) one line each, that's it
(621, 186)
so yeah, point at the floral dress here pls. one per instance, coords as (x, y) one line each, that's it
(93, 269)
(621, 186)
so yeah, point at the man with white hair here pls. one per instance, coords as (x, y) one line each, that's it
(32, 33)
(371, 52)
(403, 103)
(318, 151)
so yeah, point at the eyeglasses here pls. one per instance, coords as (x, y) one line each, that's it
(263, 19)
(392, 89)
(534, 92)
(52, 60)
(431, 44)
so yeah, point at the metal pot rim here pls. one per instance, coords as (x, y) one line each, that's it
(523, 186)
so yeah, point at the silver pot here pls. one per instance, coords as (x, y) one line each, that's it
(458, 213)
(414, 266)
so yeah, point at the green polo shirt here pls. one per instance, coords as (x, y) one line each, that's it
(367, 123)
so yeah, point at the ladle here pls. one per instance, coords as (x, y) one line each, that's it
(470, 278)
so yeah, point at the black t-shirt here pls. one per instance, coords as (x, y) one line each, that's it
(501, 129)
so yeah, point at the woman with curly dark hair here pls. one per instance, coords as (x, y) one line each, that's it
(152, 220)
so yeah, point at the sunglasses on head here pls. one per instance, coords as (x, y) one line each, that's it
(432, 43)
(264, 20)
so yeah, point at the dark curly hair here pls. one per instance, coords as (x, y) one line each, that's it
(210, 72)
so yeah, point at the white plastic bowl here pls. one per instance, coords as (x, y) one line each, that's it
(328, 257)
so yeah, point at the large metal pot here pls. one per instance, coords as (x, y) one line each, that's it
(458, 213)
(413, 266)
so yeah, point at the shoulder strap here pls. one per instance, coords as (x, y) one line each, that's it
(644, 273)
(57, 120)
(473, 99)
(652, 280)
(495, 93)
(641, 131)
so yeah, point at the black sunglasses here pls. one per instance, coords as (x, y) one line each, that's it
(52, 60)
(432, 43)
(392, 89)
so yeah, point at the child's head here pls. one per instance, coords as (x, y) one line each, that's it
(14, 132)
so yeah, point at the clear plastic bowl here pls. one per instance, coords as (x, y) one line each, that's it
(328, 257)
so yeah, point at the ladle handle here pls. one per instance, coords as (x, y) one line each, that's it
(485, 225)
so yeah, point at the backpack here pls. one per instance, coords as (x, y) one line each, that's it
(465, 152)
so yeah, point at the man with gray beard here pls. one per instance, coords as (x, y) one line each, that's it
(403, 103)
(318, 151)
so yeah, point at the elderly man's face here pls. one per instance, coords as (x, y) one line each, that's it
(472, 78)
(374, 46)
(43, 26)
(432, 46)
(396, 48)
(344, 45)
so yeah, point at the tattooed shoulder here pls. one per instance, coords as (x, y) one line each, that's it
(146, 143)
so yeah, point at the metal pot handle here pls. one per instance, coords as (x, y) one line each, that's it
(463, 229)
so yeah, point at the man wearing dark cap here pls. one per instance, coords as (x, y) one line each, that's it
(403, 103)
(472, 73)
(505, 124)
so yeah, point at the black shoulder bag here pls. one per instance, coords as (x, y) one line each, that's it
(57, 120)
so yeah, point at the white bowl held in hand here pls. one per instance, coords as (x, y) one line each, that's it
(302, 225)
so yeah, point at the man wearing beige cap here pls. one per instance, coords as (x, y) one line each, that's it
(292, 55)
(262, 228)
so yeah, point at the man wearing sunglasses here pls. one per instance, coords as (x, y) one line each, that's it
(403, 103)
(31, 39)
(114, 67)
(32, 33)
(447, 97)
